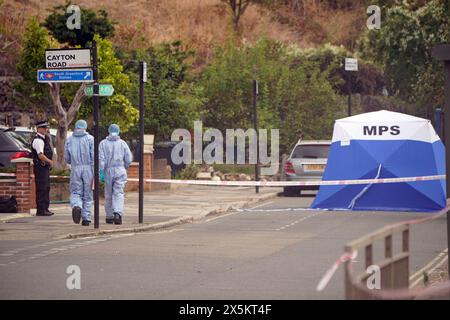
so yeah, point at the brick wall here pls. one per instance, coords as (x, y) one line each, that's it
(20, 186)
(157, 169)
(8, 187)
(23, 186)
(133, 173)
(160, 170)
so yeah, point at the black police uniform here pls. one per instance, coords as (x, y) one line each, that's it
(42, 177)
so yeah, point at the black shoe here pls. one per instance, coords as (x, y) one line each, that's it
(117, 218)
(44, 214)
(76, 214)
(50, 213)
(85, 223)
(109, 220)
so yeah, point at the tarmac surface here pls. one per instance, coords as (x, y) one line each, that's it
(275, 249)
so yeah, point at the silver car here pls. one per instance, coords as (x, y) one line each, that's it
(307, 162)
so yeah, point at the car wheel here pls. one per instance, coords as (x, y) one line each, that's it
(291, 191)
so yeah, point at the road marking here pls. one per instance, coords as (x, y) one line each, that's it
(15, 251)
(222, 216)
(280, 210)
(429, 272)
(296, 221)
(237, 211)
(73, 245)
(261, 205)
(417, 277)
(160, 232)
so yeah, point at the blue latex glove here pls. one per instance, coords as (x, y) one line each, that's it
(102, 176)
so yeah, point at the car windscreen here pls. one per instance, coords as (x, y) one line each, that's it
(311, 151)
(27, 136)
(11, 137)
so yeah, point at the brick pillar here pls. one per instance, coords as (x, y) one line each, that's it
(133, 173)
(147, 170)
(148, 159)
(23, 183)
(33, 190)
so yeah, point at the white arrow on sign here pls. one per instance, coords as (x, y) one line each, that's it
(88, 74)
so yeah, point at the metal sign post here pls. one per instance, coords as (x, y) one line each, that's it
(96, 135)
(142, 80)
(442, 53)
(74, 65)
(350, 65)
(255, 123)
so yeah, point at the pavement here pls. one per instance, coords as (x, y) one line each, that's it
(162, 209)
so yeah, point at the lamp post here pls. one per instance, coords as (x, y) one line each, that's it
(142, 80)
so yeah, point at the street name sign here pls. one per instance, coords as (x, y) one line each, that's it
(351, 64)
(104, 90)
(67, 58)
(65, 75)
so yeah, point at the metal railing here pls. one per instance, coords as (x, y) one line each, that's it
(393, 268)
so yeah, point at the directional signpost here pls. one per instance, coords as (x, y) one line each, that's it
(105, 90)
(74, 65)
(65, 75)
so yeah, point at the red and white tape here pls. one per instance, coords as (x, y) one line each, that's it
(275, 183)
(330, 272)
(294, 183)
(14, 175)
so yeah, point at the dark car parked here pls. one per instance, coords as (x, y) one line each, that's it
(12, 146)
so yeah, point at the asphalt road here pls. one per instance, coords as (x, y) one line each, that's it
(261, 254)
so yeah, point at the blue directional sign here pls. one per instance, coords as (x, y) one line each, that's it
(65, 75)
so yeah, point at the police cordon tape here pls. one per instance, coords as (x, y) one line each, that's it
(275, 183)
(295, 183)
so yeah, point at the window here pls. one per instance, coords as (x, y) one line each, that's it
(311, 151)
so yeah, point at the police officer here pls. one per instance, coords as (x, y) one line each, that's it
(42, 158)
(79, 153)
(115, 158)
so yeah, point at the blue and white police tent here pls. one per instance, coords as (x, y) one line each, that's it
(384, 144)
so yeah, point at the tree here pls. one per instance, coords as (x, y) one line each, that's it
(369, 80)
(295, 95)
(238, 8)
(35, 41)
(91, 24)
(172, 99)
(403, 48)
(117, 108)
(67, 99)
